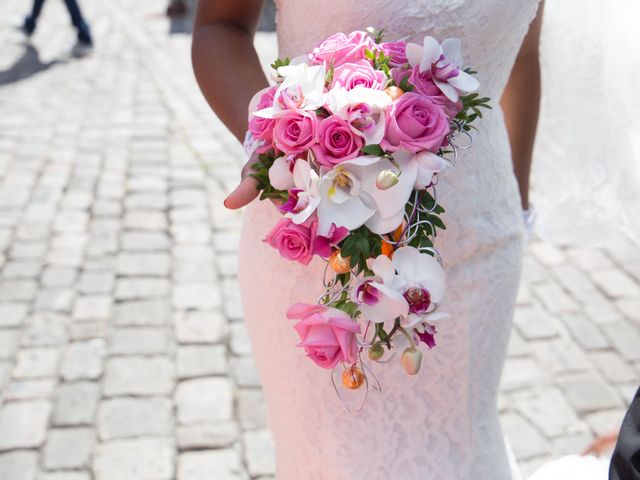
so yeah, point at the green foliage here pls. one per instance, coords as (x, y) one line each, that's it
(280, 63)
(261, 174)
(405, 86)
(377, 35)
(471, 105)
(372, 149)
(360, 245)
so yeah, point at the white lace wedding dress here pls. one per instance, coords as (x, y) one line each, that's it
(443, 423)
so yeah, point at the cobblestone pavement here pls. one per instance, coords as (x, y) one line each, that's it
(122, 350)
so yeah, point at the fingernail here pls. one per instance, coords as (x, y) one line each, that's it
(225, 202)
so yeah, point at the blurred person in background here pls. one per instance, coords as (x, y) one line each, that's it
(78, 21)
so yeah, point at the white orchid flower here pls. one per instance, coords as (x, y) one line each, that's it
(376, 299)
(350, 197)
(302, 88)
(428, 165)
(280, 173)
(445, 63)
(363, 109)
(421, 281)
(306, 192)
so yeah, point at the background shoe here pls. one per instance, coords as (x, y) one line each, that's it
(28, 26)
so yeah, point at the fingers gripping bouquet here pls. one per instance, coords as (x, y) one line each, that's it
(349, 145)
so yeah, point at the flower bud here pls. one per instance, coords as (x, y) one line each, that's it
(338, 263)
(386, 179)
(353, 377)
(394, 92)
(376, 352)
(411, 360)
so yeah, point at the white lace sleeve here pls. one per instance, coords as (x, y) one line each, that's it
(586, 172)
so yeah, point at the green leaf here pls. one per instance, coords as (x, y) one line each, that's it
(372, 149)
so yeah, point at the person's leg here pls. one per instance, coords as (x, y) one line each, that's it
(84, 33)
(30, 20)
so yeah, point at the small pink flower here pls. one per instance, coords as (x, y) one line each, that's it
(328, 335)
(340, 48)
(397, 51)
(293, 242)
(323, 244)
(295, 131)
(415, 123)
(351, 75)
(262, 128)
(337, 142)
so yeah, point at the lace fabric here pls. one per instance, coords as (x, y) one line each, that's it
(441, 424)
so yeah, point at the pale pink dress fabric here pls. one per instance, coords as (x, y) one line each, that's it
(443, 423)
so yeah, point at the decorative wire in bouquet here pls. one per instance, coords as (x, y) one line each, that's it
(350, 144)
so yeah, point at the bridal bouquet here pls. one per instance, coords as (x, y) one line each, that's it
(349, 145)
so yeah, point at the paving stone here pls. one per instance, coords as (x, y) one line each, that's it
(13, 314)
(583, 332)
(588, 394)
(8, 343)
(92, 307)
(135, 288)
(554, 299)
(145, 241)
(18, 465)
(605, 421)
(201, 360)
(83, 360)
(630, 307)
(239, 342)
(614, 368)
(23, 424)
(134, 459)
(139, 340)
(146, 201)
(88, 330)
(252, 409)
(138, 376)
(204, 399)
(22, 269)
(68, 448)
(196, 296)
(549, 410)
(135, 417)
(207, 435)
(59, 277)
(219, 464)
(145, 220)
(192, 232)
(534, 323)
(17, 290)
(193, 271)
(96, 282)
(525, 440)
(616, 283)
(260, 452)
(245, 372)
(200, 327)
(68, 475)
(76, 403)
(142, 312)
(625, 338)
(133, 264)
(30, 389)
(560, 356)
(36, 362)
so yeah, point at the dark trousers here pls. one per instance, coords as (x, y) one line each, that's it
(74, 12)
(625, 462)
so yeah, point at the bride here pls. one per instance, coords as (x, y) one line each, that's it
(443, 423)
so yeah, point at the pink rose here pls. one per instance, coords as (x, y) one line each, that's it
(424, 84)
(415, 123)
(328, 335)
(293, 242)
(262, 128)
(340, 48)
(350, 75)
(397, 51)
(337, 142)
(295, 131)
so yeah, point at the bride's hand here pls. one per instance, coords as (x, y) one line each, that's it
(247, 189)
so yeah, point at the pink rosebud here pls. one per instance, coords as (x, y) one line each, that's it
(411, 360)
(337, 142)
(295, 131)
(328, 335)
(351, 75)
(293, 242)
(415, 123)
(340, 48)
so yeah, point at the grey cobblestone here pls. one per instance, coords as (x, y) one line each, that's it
(121, 327)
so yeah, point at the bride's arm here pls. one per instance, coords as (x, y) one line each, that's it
(521, 103)
(228, 70)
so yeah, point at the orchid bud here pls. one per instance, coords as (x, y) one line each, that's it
(386, 179)
(376, 352)
(411, 360)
